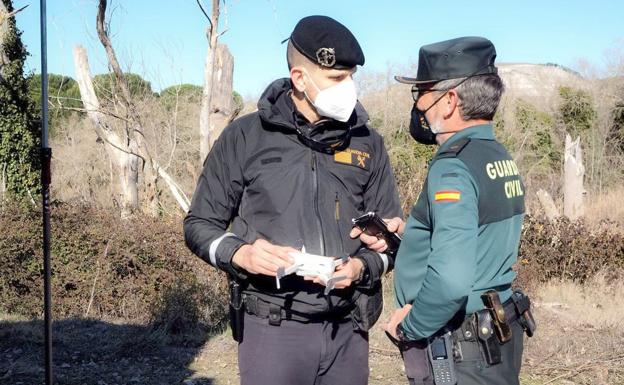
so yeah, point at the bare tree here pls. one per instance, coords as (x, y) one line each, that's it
(130, 149)
(217, 107)
(573, 190)
(122, 151)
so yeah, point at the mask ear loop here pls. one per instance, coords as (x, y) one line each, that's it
(315, 86)
(423, 118)
(458, 84)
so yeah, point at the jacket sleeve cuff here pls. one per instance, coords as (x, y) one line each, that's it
(224, 252)
(376, 264)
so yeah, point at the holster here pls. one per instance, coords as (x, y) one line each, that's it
(236, 310)
(492, 302)
(522, 304)
(487, 338)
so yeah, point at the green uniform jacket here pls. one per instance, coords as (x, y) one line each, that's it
(462, 236)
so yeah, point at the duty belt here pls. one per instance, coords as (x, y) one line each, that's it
(467, 335)
(276, 314)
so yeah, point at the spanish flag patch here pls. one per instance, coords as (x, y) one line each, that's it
(447, 196)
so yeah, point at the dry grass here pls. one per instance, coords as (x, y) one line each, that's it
(580, 338)
(606, 206)
(579, 341)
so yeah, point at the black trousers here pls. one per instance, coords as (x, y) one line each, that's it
(473, 371)
(316, 353)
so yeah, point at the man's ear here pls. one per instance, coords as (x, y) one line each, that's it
(451, 103)
(296, 77)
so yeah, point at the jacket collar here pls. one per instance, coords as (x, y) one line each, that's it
(480, 131)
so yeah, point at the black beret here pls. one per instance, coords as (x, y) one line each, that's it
(452, 59)
(326, 42)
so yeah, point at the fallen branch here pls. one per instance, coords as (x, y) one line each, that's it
(97, 273)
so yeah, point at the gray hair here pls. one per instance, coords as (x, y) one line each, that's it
(478, 95)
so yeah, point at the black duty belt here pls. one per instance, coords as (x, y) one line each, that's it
(276, 314)
(467, 335)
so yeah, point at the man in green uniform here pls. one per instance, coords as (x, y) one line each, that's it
(461, 237)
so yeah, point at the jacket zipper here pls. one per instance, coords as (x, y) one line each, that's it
(316, 203)
(337, 216)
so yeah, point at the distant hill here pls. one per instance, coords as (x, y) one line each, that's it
(538, 83)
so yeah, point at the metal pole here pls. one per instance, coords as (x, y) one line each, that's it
(46, 179)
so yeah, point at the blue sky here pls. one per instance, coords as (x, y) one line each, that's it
(164, 40)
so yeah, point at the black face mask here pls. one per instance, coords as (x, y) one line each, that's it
(338, 139)
(420, 129)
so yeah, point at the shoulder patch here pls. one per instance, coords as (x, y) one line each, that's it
(353, 157)
(447, 196)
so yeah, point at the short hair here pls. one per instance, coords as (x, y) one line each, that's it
(294, 57)
(479, 95)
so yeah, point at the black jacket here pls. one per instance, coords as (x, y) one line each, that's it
(262, 181)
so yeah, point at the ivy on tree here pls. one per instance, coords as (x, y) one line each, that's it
(20, 126)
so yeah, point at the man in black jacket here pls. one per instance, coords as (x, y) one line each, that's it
(290, 177)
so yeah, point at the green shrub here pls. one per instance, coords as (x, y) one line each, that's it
(538, 149)
(409, 161)
(20, 130)
(183, 93)
(577, 111)
(106, 86)
(63, 96)
(617, 131)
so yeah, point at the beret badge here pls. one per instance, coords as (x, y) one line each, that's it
(326, 57)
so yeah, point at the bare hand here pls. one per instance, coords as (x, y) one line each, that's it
(350, 270)
(395, 319)
(395, 225)
(263, 257)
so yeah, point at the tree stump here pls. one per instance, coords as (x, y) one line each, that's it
(573, 173)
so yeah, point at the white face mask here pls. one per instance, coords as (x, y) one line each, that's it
(336, 102)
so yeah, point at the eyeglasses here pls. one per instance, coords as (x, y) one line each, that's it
(417, 92)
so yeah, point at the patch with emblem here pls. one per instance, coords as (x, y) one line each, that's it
(447, 196)
(326, 57)
(353, 157)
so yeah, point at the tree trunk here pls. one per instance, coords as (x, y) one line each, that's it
(550, 209)
(125, 155)
(3, 187)
(206, 126)
(204, 114)
(574, 171)
(121, 152)
(222, 101)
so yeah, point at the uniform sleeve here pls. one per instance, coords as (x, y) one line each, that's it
(453, 197)
(380, 195)
(215, 202)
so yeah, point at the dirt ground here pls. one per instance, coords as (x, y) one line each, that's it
(579, 341)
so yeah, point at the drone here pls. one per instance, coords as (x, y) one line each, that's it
(311, 265)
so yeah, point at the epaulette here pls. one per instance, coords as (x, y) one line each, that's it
(454, 149)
